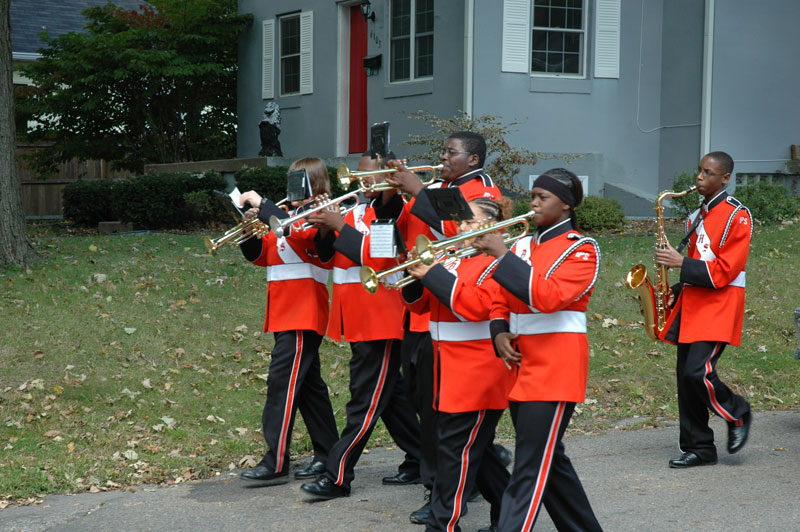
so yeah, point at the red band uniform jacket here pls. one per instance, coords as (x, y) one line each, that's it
(297, 281)
(710, 304)
(420, 218)
(467, 375)
(357, 315)
(546, 282)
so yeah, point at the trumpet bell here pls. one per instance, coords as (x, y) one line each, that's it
(369, 279)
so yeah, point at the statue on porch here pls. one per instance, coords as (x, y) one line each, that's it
(269, 129)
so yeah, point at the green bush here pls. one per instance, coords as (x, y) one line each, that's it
(769, 203)
(151, 201)
(88, 202)
(596, 215)
(270, 181)
(685, 205)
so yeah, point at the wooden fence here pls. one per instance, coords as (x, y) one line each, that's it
(41, 198)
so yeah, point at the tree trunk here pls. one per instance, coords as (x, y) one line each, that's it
(15, 248)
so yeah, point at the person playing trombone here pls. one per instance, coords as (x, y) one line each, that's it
(538, 324)
(297, 315)
(471, 384)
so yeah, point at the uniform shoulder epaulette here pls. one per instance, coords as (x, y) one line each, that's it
(737, 206)
(492, 265)
(571, 249)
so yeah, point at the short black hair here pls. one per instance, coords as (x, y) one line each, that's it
(473, 142)
(725, 161)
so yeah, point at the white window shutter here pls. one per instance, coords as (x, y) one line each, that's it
(516, 36)
(268, 60)
(307, 52)
(606, 36)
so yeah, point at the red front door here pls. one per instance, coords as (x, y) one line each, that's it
(358, 82)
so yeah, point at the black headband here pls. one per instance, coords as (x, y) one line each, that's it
(551, 184)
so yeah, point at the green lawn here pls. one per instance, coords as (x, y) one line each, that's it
(140, 358)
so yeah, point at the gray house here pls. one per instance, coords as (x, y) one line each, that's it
(640, 88)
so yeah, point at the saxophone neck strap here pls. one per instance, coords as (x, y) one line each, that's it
(691, 231)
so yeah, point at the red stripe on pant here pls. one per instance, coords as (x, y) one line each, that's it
(712, 397)
(462, 477)
(373, 405)
(544, 468)
(287, 409)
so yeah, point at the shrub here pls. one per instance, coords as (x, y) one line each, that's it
(597, 214)
(769, 203)
(270, 181)
(88, 202)
(685, 205)
(151, 201)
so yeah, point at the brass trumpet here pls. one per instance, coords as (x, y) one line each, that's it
(323, 202)
(428, 252)
(346, 176)
(237, 234)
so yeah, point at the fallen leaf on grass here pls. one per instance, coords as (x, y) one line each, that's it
(130, 454)
(146, 384)
(130, 330)
(248, 461)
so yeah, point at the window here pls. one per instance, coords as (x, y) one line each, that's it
(549, 38)
(558, 37)
(295, 48)
(411, 40)
(289, 50)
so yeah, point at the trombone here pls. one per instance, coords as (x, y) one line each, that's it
(347, 176)
(428, 252)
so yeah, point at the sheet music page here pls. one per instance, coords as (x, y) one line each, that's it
(382, 244)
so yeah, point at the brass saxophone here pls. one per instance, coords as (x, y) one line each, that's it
(655, 298)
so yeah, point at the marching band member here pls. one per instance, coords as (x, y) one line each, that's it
(713, 280)
(376, 386)
(470, 383)
(297, 315)
(539, 325)
(462, 160)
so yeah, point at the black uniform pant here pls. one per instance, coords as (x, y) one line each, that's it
(294, 381)
(543, 473)
(465, 456)
(700, 390)
(374, 373)
(418, 358)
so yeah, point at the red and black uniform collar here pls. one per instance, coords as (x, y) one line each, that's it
(545, 233)
(716, 200)
(457, 182)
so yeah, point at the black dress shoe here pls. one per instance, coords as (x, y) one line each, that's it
(689, 460)
(420, 517)
(324, 488)
(402, 479)
(505, 455)
(310, 471)
(261, 472)
(737, 436)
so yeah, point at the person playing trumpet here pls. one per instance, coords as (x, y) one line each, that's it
(538, 323)
(297, 323)
(471, 384)
(462, 166)
(376, 385)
